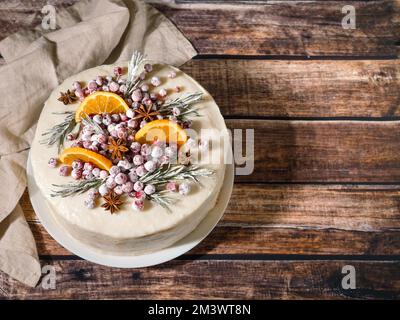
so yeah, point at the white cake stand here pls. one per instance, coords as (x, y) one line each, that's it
(84, 251)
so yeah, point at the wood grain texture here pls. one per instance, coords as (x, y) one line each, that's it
(291, 220)
(276, 88)
(300, 28)
(323, 151)
(216, 279)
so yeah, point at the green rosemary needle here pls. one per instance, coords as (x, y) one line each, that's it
(58, 133)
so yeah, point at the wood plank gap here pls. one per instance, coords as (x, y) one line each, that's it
(256, 257)
(293, 57)
(291, 118)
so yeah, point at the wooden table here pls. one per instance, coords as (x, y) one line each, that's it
(325, 192)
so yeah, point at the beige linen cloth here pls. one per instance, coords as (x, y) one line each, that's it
(88, 34)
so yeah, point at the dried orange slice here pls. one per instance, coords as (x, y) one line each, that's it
(76, 153)
(163, 130)
(101, 102)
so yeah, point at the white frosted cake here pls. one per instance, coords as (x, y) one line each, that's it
(132, 198)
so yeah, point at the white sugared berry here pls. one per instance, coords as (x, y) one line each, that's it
(156, 152)
(148, 67)
(138, 160)
(96, 172)
(163, 93)
(149, 189)
(114, 87)
(130, 114)
(93, 194)
(114, 170)
(137, 95)
(145, 88)
(107, 119)
(118, 190)
(184, 188)
(103, 190)
(145, 150)
(176, 111)
(104, 174)
(136, 147)
(172, 74)
(64, 171)
(138, 186)
(110, 183)
(121, 178)
(52, 162)
(89, 203)
(99, 81)
(118, 71)
(123, 88)
(150, 166)
(77, 85)
(105, 88)
(155, 81)
(127, 187)
(76, 174)
(133, 176)
(138, 205)
(92, 85)
(115, 117)
(98, 119)
(141, 171)
(88, 166)
(171, 186)
(125, 164)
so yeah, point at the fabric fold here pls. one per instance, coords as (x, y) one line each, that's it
(88, 34)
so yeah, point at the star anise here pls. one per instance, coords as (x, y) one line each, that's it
(67, 97)
(145, 114)
(112, 203)
(117, 148)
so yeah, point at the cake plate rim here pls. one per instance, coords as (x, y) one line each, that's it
(61, 236)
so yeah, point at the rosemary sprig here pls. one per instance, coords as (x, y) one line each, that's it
(162, 199)
(133, 79)
(58, 133)
(184, 104)
(175, 173)
(88, 121)
(71, 189)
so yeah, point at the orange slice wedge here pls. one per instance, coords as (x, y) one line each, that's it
(76, 153)
(163, 130)
(101, 102)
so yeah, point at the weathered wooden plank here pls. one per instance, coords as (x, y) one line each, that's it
(286, 28)
(291, 220)
(277, 28)
(216, 279)
(311, 89)
(276, 88)
(323, 151)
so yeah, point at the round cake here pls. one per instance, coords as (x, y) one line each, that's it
(111, 179)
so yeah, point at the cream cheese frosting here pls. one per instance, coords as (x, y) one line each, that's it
(130, 232)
